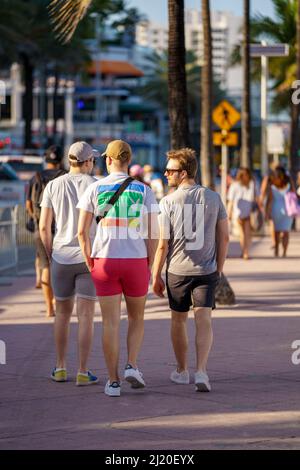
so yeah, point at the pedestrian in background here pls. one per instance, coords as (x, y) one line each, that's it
(37, 185)
(242, 196)
(280, 185)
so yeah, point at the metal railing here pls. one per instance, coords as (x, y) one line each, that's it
(13, 235)
(23, 236)
(8, 239)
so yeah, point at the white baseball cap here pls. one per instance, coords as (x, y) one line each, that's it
(82, 151)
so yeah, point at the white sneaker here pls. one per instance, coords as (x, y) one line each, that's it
(134, 377)
(112, 389)
(202, 382)
(180, 377)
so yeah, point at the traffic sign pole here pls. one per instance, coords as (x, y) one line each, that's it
(225, 116)
(265, 51)
(264, 113)
(224, 174)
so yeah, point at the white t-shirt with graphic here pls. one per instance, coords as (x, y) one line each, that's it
(122, 233)
(62, 195)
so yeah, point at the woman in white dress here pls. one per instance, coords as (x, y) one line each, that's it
(241, 197)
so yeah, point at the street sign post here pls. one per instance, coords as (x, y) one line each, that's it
(231, 139)
(225, 116)
(275, 141)
(265, 51)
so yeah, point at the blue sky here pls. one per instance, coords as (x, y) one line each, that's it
(156, 10)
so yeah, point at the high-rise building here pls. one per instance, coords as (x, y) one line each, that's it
(226, 33)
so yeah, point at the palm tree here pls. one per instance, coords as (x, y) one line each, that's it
(284, 28)
(246, 157)
(155, 86)
(207, 162)
(178, 112)
(66, 14)
(295, 111)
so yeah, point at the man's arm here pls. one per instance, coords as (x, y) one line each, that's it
(29, 208)
(84, 225)
(159, 261)
(152, 237)
(28, 204)
(45, 229)
(222, 240)
(230, 210)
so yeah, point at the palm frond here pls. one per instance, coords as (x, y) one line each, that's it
(65, 16)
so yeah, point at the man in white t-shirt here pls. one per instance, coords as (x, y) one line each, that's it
(69, 273)
(120, 258)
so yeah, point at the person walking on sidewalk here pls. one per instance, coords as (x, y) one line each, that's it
(242, 196)
(194, 240)
(121, 257)
(281, 184)
(69, 273)
(53, 157)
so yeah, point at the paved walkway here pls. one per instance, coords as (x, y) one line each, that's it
(255, 402)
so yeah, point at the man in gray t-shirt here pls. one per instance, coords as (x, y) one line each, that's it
(194, 241)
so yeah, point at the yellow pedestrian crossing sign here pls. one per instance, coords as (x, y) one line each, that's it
(225, 115)
(231, 139)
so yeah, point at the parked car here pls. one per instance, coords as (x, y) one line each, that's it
(25, 166)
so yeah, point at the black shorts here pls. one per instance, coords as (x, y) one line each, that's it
(184, 291)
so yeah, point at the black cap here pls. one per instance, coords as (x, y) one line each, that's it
(54, 154)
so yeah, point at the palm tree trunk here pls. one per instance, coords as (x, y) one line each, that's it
(178, 113)
(294, 164)
(55, 104)
(246, 154)
(207, 161)
(224, 293)
(28, 99)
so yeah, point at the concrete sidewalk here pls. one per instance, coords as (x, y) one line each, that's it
(255, 402)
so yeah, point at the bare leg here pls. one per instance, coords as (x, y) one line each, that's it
(277, 241)
(204, 336)
(111, 310)
(135, 334)
(180, 339)
(47, 291)
(285, 242)
(38, 281)
(64, 309)
(273, 234)
(247, 238)
(242, 235)
(85, 314)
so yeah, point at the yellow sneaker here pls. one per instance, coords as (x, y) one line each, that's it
(86, 379)
(59, 375)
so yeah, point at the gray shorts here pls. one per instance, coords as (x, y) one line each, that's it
(72, 279)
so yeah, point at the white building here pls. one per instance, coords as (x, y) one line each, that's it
(226, 33)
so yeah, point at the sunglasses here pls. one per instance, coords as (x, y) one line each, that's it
(171, 171)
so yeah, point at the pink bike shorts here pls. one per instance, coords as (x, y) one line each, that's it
(113, 276)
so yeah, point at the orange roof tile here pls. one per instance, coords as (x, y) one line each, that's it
(116, 67)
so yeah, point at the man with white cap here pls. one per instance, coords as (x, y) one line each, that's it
(69, 273)
(121, 257)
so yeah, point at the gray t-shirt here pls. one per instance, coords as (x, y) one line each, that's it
(62, 195)
(188, 220)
